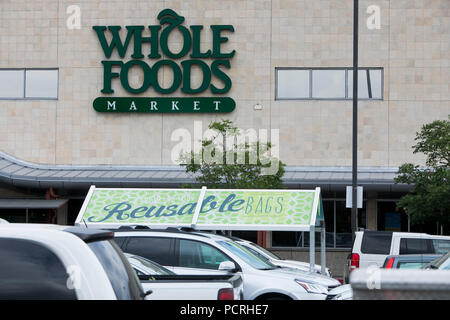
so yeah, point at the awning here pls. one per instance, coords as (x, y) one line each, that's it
(26, 174)
(203, 209)
(31, 203)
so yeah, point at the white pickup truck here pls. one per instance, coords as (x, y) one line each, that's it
(167, 285)
(61, 262)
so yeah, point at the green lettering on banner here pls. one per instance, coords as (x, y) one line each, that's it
(219, 209)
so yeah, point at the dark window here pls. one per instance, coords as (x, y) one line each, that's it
(124, 281)
(120, 241)
(416, 246)
(246, 235)
(391, 218)
(194, 254)
(376, 242)
(344, 225)
(155, 249)
(30, 271)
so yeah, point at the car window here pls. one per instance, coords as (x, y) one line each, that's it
(267, 252)
(442, 262)
(410, 265)
(415, 246)
(149, 267)
(441, 246)
(445, 265)
(376, 242)
(256, 253)
(123, 279)
(120, 241)
(195, 254)
(157, 249)
(30, 271)
(247, 256)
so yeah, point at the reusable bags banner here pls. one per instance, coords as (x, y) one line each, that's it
(213, 209)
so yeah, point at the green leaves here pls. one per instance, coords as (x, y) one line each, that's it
(434, 141)
(429, 198)
(231, 172)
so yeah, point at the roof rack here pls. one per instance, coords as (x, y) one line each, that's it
(182, 230)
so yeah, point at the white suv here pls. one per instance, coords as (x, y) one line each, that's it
(371, 248)
(207, 253)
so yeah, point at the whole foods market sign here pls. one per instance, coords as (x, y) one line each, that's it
(212, 63)
(208, 209)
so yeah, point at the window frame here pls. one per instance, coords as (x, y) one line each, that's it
(311, 69)
(24, 97)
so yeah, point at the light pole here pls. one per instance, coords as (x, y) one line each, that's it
(355, 120)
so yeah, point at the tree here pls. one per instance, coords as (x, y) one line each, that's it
(228, 160)
(429, 198)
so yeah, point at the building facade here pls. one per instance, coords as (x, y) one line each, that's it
(286, 64)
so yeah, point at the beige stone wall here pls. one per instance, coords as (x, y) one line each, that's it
(413, 47)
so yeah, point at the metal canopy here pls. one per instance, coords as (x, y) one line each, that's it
(31, 204)
(31, 175)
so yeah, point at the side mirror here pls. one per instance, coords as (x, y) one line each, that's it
(227, 266)
(146, 293)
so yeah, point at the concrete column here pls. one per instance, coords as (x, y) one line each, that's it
(61, 215)
(269, 239)
(372, 211)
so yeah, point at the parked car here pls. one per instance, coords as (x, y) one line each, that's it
(265, 254)
(441, 263)
(61, 262)
(206, 253)
(167, 285)
(343, 292)
(409, 261)
(371, 248)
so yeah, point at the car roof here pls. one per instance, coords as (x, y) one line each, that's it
(87, 235)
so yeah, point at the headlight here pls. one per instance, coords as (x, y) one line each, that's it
(312, 287)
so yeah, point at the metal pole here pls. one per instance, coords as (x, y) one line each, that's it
(355, 120)
(312, 249)
(323, 255)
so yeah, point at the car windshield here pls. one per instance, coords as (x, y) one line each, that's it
(147, 266)
(124, 281)
(440, 263)
(247, 256)
(266, 252)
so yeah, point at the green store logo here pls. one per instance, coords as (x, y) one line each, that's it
(212, 63)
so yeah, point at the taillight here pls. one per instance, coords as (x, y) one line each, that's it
(225, 294)
(354, 264)
(390, 263)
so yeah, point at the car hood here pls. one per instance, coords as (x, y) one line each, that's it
(304, 276)
(343, 292)
(295, 264)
